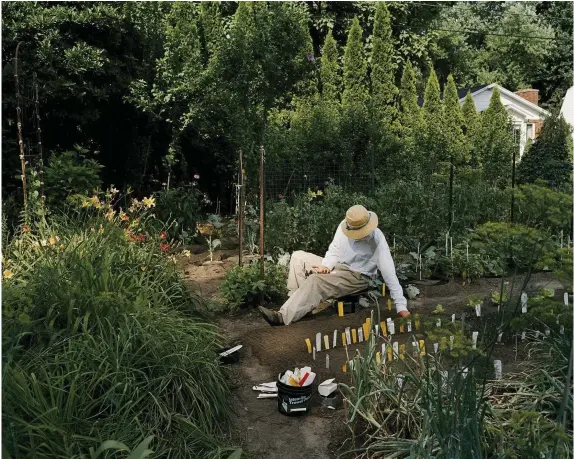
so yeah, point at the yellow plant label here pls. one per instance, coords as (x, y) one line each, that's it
(308, 342)
(354, 334)
(340, 308)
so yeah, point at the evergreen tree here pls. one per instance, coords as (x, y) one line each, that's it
(330, 77)
(211, 25)
(432, 145)
(455, 145)
(471, 125)
(354, 68)
(409, 113)
(384, 93)
(495, 143)
(550, 157)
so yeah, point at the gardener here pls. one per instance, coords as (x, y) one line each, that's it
(357, 251)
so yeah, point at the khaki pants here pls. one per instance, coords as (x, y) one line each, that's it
(306, 292)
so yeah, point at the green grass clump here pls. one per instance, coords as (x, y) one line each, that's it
(102, 341)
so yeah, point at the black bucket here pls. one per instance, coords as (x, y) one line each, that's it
(293, 400)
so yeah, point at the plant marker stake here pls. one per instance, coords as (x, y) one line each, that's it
(409, 326)
(327, 361)
(422, 347)
(523, 336)
(524, 300)
(384, 329)
(465, 372)
(435, 347)
(474, 339)
(335, 333)
(344, 339)
(566, 298)
(438, 323)
(452, 342)
(421, 268)
(384, 288)
(400, 381)
(402, 350)
(318, 342)
(417, 322)
(378, 358)
(348, 334)
(354, 335)
(401, 328)
(308, 342)
(562, 239)
(394, 243)
(499, 339)
(446, 244)
(384, 352)
(344, 368)
(377, 330)
(313, 352)
(360, 335)
(561, 329)
(453, 318)
(368, 322)
(477, 309)
(364, 331)
(415, 347)
(340, 309)
(396, 349)
(497, 369)
(390, 354)
(451, 248)
(391, 326)
(467, 251)
(326, 340)
(389, 304)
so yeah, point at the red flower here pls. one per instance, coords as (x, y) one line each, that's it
(132, 237)
(26, 228)
(141, 237)
(164, 247)
(163, 235)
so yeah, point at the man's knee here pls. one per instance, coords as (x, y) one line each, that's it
(298, 254)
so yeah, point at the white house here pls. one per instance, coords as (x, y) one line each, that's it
(522, 106)
(567, 109)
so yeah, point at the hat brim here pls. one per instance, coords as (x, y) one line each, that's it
(364, 231)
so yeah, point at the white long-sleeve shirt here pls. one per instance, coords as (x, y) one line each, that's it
(366, 256)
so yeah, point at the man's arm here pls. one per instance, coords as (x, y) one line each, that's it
(387, 267)
(332, 255)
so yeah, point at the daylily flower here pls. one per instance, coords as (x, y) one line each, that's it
(85, 203)
(94, 200)
(123, 216)
(164, 247)
(7, 274)
(148, 202)
(25, 228)
(319, 193)
(141, 237)
(110, 215)
(163, 235)
(52, 240)
(114, 190)
(101, 230)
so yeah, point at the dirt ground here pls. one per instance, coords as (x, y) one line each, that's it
(267, 351)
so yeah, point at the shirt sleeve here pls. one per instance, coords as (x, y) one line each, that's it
(387, 267)
(332, 255)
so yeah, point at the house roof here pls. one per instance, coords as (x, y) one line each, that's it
(481, 88)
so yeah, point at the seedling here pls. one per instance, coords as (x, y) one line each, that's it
(439, 309)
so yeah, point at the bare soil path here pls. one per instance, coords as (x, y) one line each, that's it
(265, 433)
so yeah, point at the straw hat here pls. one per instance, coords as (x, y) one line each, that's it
(359, 223)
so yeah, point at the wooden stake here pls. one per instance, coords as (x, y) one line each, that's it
(261, 218)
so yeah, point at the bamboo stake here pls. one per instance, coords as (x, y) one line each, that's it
(261, 216)
(240, 210)
(19, 120)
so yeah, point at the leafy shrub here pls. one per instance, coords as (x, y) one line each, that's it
(182, 208)
(514, 245)
(242, 285)
(561, 263)
(101, 341)
(70, 172)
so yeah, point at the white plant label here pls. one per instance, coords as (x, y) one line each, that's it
(415, 347)
(327, 361)
(523, 336)
(444, 378)
(566, 298)
(396, 349)
(348, 334)
(314, 352)
(561, 329)
(453, 318)
(499, 339)
(377, 329)
(384, 352)
(465, 372)
(435, 346)
(474, 339)
(400, 381)
(477, 309)
(497, 369)
(451, 342)
(524, 301)
(547, 331)
(318, 342)
(335, 333)
(438, 323)
(409, 326)
(391, 326)
(360, 335)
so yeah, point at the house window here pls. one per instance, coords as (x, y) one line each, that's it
(516, 134)
(530, 131)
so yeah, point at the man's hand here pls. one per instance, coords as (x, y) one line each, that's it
(321, 269)
(404, 314)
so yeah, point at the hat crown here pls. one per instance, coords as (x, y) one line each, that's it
(357, 216)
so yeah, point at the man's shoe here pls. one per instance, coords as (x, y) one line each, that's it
(273, 318)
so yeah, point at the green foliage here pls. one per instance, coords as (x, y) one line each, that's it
(69, 173)
(354, 68)
(544, 312)
(243, 285)
(102, 344)
(455, 144)
(471, 126)
(561, 263)
(432, 144)
(181, 209)
(514, 245)
(330, 72)
(541, 207)
(494, 145)
(549, 158)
